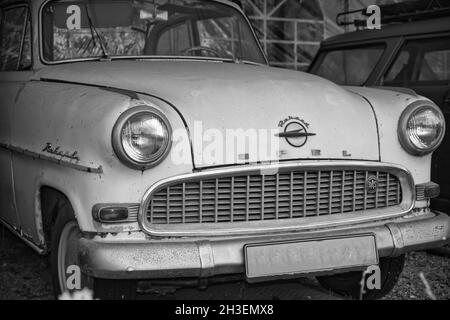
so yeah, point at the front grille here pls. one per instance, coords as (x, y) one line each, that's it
(256, 197)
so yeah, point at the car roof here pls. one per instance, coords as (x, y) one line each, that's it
(393, 30)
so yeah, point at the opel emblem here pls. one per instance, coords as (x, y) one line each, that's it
(372, 184)
(295, 132)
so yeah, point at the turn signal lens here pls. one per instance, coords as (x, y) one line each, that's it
(110, 214)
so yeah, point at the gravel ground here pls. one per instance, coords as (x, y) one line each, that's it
(436, 271)
(25, 275)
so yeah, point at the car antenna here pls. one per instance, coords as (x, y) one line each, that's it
(94, 30)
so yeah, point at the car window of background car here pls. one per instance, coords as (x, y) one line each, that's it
(351, 66)
(435, 65)
(15, 31)
(421, 61)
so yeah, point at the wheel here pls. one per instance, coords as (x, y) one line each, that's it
(349, 284)
(65, 266)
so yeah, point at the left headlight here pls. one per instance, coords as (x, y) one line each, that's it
(142, 137)
(421, 128)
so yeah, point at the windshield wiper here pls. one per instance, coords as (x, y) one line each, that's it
(95, 31)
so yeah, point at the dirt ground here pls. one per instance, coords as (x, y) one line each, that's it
(25, 275)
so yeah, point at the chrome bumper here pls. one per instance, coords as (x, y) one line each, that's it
(208, 257)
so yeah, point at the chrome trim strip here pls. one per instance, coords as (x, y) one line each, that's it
(291, 225)
(55, 160)
(28, 240)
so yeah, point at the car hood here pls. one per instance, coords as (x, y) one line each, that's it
(218, 99)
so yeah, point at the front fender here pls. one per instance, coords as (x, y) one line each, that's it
(388, 106)
(79, 120)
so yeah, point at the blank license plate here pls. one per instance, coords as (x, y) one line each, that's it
(290, 258)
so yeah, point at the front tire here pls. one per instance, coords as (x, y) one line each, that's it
(349, 284)
(65, 264)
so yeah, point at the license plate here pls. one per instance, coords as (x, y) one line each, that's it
(292, 258)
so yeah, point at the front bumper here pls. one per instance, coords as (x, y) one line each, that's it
(122, 258)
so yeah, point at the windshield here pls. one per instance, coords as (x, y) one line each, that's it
(80, 29)
(351, 66)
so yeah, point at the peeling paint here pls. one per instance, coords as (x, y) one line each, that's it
(128, 236)
(38, 219)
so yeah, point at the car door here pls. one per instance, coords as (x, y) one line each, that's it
(15, 69)
(423, 64)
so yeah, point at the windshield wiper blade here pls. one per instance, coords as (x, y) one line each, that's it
(95, 31)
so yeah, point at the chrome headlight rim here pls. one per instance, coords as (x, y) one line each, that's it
(117, 141)
(403, 137)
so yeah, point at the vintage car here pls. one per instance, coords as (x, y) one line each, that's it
(411, 50)
(149, 142)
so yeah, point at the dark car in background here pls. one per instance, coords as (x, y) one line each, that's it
(411, 50)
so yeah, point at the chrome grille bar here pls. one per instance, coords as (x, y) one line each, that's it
(342, 190)
(376, 192)
(329, 204)
(387, 191)
(305, 175)
(365, 192)
(291, 196)
(354, 191)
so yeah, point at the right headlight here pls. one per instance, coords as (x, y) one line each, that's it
(142, 137)
(421, 128)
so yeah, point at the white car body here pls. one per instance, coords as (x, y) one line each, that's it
(74, 107)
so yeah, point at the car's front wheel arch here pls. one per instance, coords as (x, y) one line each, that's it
(51, 200)
(64, 256)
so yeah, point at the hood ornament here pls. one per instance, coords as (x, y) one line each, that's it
(295, 131)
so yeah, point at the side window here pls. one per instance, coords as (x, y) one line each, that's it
(15, 40)
(422, 62)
